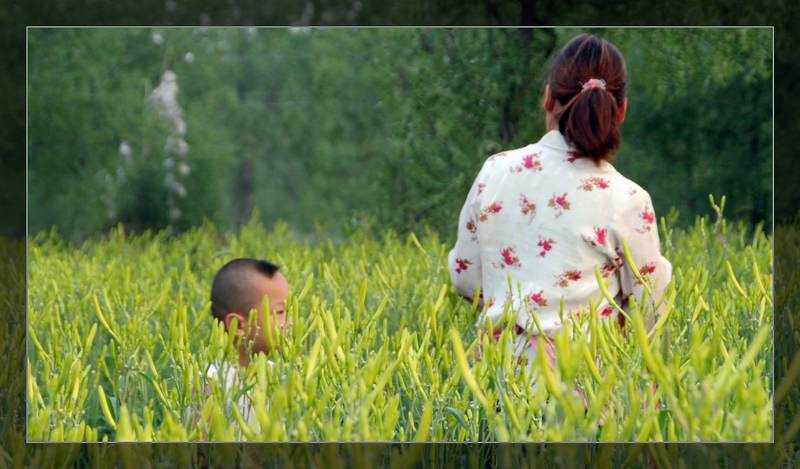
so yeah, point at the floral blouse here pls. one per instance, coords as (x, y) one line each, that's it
(537, 221)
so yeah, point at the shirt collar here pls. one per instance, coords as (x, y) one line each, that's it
(556, 141)
(553, 139)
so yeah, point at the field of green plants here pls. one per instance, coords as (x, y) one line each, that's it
(382, 349)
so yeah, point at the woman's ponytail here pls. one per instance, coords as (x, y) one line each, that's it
(588, 79)
(590, 124)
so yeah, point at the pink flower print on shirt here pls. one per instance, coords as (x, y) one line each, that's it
(463, 264)
(527, 207)
(546, 245)
(646, 270)
(632, 191)
(471, 226)
(493, 208)
(573, 275)
(648, 217)
(571, 157)
(649, 220)
(473, 229)
(566, 277)
(598, 238)
(606, 312)
(530, 162)
(538, 298)
(559, 203)
(481, 187)
(590, 183)
(607, 269)
(508, 258)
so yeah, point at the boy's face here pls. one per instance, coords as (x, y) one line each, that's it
(276, 290)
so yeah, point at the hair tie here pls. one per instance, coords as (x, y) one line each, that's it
(593, 83)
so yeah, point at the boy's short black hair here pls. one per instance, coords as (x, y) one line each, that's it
(229, 290)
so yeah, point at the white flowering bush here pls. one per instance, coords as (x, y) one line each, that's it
(150, 181)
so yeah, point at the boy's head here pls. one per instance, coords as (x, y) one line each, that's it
(240, 286)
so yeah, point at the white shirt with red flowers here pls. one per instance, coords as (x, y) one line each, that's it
(546, 219)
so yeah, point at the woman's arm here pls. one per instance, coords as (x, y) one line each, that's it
(636, 225)
(464, 260)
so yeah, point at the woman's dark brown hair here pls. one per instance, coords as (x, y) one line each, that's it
(588, 119)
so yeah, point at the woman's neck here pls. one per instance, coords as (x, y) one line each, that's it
(550, 122)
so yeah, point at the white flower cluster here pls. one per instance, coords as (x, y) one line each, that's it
(164, 99)
(112, 182)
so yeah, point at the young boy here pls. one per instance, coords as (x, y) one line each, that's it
(239, 287)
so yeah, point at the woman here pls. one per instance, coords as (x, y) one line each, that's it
(544, 216)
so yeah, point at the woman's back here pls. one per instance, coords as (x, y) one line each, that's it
(544, 219)
(540, 220)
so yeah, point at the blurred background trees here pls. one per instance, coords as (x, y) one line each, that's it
(324, 128)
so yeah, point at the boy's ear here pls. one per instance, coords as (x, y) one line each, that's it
(240, 322)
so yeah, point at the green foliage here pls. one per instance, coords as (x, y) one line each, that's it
(327, 126)
(383, 349)
(707, 120)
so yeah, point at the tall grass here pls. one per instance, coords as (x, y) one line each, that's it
(382, 349)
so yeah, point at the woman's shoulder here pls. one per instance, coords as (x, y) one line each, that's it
(628, 189)
(505, 159)
(629, 200)
(504, 155)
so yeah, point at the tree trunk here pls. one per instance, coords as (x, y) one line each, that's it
(244, 176)
(244, 189)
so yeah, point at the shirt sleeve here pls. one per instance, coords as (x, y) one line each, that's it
(636, 224)
(464, 260)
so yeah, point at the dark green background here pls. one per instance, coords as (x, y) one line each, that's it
(384, 126)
